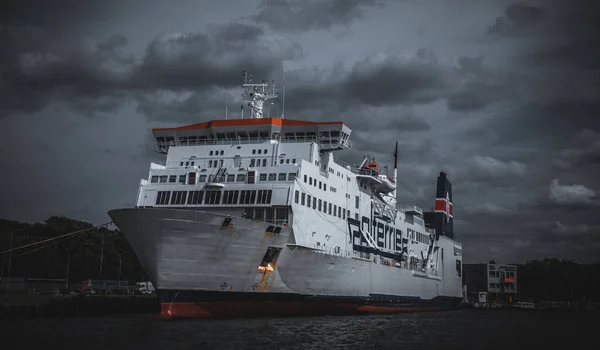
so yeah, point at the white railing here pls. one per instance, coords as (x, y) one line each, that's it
(163, 146)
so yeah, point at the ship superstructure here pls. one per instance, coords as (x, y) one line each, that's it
(257, 215)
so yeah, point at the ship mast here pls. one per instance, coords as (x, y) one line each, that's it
(255, 96)
(395, 169)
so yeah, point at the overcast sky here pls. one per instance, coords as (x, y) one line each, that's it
(502, 95)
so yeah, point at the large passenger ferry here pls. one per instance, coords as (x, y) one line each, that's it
(257, 216)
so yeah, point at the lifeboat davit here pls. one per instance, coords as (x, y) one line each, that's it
(387, 185)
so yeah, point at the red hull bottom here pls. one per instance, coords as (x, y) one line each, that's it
(225, 309)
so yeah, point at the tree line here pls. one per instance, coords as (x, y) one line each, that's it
(558, 280)
(83, 252)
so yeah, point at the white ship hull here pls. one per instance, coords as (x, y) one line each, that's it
(203, 268)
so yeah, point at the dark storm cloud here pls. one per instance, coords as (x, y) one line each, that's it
(305, 15)
(585, 151)
(518, 18)
(377, 81)
(558, 65)
(214, 58)
(33, 75)
(55, 15)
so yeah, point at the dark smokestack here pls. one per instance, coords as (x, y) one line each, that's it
(443, 215)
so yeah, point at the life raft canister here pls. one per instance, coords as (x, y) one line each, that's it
(373, 166)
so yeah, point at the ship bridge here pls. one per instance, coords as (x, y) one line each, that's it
(330, 136)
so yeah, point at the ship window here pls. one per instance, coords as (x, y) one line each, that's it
(458, 268)
(154, 179)
(265, 152)
(357, 202)
(210, 163)
(264, 197)
(291, 176)
(329, 208)
(305, 178)
(230, 197)
(334, 210)
(320, 184)
(173, 178)
(324, 206)
(247, 197)
(230, 177)
(163, 197)
(296, 196)
(335, 133)
(192, 164)
(263, 177)
(344, 214)
(294, 160)
(178, 197)
(195, 197)
(264, 163)
(252, 163)
(251, 177)
(212, 197)
(222, 152)
(320, 204)
(303, 198)
(272, 177)
(202, 178)
(257, 162)
(314, 202)
(308, 200)
(259, 151)
(163, 178)
(241, 177)
(324, 187)
(210, 153)
(287, 161)
(191, 179)
(281, 177)
(180, 163)
(253, 151)
(310, 180)
(182, 179)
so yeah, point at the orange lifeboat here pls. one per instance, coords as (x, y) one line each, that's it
(373, 166)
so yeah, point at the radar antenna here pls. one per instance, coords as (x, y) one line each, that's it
(255, 95)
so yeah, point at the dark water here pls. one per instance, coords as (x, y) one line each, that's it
(465, 329)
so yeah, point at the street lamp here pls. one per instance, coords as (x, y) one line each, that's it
(120, 264)
(68, 263)
(101, 256)
(9, 262)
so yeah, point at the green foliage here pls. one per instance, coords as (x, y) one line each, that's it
(49, 260)
(558, 280)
